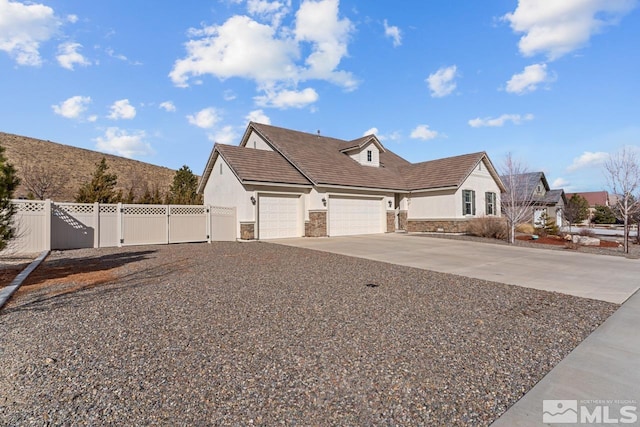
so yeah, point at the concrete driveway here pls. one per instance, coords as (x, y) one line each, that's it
(601, 277)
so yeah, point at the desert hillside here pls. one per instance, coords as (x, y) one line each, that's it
(73, 166)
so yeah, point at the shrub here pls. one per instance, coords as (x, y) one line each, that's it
(491, 227)
(526, 228)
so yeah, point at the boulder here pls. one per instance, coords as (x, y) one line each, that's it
(586, 240)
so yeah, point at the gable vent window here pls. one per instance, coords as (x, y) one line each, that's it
(369, 156)
(468, 202)
(220, 168)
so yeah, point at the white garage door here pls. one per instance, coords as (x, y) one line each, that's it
(350, 215)
(278, 216)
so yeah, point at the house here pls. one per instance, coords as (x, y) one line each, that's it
(285, 183)
(533, 188)
(593, 198)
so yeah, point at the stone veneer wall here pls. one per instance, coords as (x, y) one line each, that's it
(402, 221)
(391, 221)
(247, 231)
(442, 226)
(317, 224)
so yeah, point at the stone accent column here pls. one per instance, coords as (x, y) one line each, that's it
(402, 220)
(247, 231)
(317, 224)
(391, 221)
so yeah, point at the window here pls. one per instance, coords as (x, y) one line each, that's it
(490, 202)
(369, 155)
(220, 168)
(468, 202)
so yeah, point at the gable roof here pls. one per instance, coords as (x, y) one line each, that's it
(311, 159)
(528, 183)
(260, 165)
(447, 172)
(594, 197)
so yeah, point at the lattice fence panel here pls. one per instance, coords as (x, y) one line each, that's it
(144, 210)
(29, 206)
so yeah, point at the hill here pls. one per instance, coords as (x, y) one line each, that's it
(70, 167)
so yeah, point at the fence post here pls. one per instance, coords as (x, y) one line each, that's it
(119, 225)
(168, 223)
(48, 217)
(96, 225)
(207, 209)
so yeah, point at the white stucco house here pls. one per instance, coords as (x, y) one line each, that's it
(285, 183)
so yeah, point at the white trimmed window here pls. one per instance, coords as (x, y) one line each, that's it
(468, 202)
(490, 203)
(369, 156)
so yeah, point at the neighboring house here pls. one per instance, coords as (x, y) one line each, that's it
(593, 198)
(285, 183)
(535, 191)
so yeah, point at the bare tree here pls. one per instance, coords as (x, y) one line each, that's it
(41, 180)
(517, 201)
(622, 171)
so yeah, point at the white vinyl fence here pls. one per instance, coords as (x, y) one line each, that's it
(42, 225)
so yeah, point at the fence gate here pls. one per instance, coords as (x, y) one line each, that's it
(145, 225)
(223, 224)
(188, 223)
(73, 225)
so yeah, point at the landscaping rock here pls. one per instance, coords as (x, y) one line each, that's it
(586, 240)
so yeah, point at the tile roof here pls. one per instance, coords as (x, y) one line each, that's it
(594, 197)
(312, 159)
(448, 172)
(260, 165)
(319, 159)
(528, 183)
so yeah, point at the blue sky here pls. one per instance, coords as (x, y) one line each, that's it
(554, 83)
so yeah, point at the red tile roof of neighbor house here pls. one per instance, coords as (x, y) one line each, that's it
(305, 158)
(594, 197)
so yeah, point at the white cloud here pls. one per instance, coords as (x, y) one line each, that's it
(92, 118)
(516, 119)
(72, 18)
(73, 107)
(205, 118)
(168, 106)
(124, 143)
(226, 135)
(271, 10)
(529, 79)
(317, 22)
(588, 159)
(228, 95)
(372, 131)
(68, 55)
(258, 116)
(394, 33)
(560, 183)
(441, 83)
(23, 27)
(556, 28)
(267, 53)
(287, 98)
(424, 133)
(122, 109)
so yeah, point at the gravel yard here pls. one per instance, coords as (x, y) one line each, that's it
(238, 334)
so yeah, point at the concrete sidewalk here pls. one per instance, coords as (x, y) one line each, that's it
(606, 278)
(604, 367)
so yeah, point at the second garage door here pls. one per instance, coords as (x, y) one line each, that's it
(351, 215)
(278, 216)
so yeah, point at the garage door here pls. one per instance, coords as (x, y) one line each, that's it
(278, 216)
(350, 215)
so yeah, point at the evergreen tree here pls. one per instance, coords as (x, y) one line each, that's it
(101, 189)
(576, 210)
(8, 183)
(183, 191)
(604, 215)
